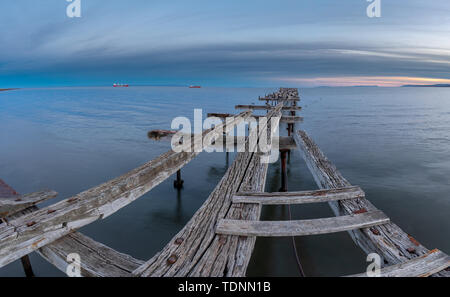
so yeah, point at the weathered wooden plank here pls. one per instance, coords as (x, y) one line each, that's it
(426, 265)
(267, 107)
(284, 142)
(196, 250)
(284, 119)
(30, 232)
(9, 206)
(8, 193)
(388, 240)
(97, 260)
(302, 227)
(291, 119)
(22, 212)
(303, 197)
(230, 255)
(284, 93)
(275, 99)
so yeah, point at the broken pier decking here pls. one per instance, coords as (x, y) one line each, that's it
(426, 265)
(197, 250)
(14, 204)
(286, 198)
(303, 227)
(98, 260)
(219, 239)
(388, 240)
(31, 231)
(267, 107)
(284, 118)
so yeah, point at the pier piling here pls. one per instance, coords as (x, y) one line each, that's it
(178, 183)
(284, 187)
(26, 264)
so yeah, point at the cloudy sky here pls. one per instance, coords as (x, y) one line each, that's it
(224, 43)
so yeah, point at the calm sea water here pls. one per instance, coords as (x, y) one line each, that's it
(393, 142)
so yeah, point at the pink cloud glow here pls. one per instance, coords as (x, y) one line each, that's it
(381, 81)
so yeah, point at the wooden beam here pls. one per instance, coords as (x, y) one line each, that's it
(97, 260)
(284, 142)
(278, 99)
(32, 231)
(267, 107)
(285, 198)
(301, 228)
(291, 119)
(426, 265)
(284, 119)
(197, 250)
(9, 206)
(388, 240)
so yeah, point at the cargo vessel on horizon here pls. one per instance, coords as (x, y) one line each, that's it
(120, 85)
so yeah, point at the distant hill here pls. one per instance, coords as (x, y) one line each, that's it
(428, 86)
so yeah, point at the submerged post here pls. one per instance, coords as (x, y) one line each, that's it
(284, 187)
(178, 183)
(228, 159)
(27, 266)
(290, 128)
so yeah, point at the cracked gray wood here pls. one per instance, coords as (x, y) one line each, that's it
(196, 250)
(284, 119)
(10, 206)
(267, 107)
(284, 143)
(30, 232)
(426, 265)
(285, 99)
(302, 227)
(285, 198)
(97, 260)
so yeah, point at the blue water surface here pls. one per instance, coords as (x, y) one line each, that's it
(393, 142)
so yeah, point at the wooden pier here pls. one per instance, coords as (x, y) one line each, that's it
(219, 239)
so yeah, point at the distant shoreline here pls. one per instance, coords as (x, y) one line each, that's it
(11, 89)
(428, 86)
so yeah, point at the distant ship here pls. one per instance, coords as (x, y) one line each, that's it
(120, 85)
(194, 87)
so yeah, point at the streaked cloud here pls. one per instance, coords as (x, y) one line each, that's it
(380, 81)
(222, 43)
